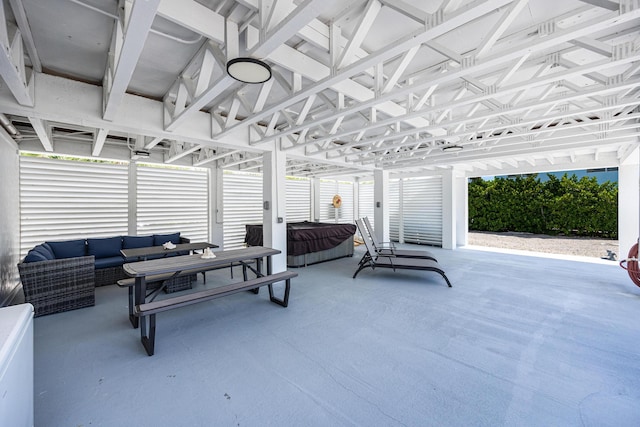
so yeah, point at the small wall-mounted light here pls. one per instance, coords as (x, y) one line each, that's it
(249, 70)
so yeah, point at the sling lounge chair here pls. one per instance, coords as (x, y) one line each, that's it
(374, 260)
(388, 248)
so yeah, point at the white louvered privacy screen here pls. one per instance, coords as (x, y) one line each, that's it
(242, 204)
(78, 198)
(173, 199)
(67, 199)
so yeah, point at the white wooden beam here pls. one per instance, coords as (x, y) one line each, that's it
(27, 36)
(136, 24)
(435, 29)
(400, 69)
(519, 88)
(361, 30)
(12, 68)
(43, 130)
(308, 10)
(605, 4)
(98, 141)
(216, 157)
(500, 27)
(194, 16)
(407, 10)
(594, 46)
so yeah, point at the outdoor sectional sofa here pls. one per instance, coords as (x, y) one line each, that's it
(61, 276)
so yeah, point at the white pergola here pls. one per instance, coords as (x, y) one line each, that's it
(361, 88)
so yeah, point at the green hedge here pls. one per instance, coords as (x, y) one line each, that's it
(568, 205)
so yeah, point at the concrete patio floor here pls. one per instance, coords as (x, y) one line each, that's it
(518, 341)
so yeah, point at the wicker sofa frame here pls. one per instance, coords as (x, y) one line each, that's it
(58, 285)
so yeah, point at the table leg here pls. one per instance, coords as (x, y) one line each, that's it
(139, 298)
(132, 318)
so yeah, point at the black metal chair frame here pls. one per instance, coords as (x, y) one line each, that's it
(373, 261)
(389, 248)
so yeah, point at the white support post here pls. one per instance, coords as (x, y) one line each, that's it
(132, 207)
(356, 198)
(315, 199)
(449, 199)
(462, 209)
(216, 206)
(274, 189)
(628, 202)
(381, 197)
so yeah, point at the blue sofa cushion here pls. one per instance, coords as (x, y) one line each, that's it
(112, 261)
(46, 250)
(105, 247)
(132, 242)
(41, 252)
(160, 239)
(34, 256)
(68, 249)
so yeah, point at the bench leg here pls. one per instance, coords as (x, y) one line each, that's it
(148, 337)
(133, 319)
(285, 301)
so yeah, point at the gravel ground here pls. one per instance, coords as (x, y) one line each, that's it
(581, 246)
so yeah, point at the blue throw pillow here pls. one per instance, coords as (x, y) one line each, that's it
(132, 242)
(104, 248)
(160, 239)
(34, 256)
(45, 251)
(68, 249)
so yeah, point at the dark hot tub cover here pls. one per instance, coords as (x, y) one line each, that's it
(305, 237)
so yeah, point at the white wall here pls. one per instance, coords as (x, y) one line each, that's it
(10, 220)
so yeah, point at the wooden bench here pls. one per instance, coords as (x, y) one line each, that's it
(159, 278)
(156, 279)
(150, 309)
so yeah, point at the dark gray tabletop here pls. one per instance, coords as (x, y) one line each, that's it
(159, 250)
(195, 262)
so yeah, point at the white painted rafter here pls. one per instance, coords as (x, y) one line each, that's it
(513, 53)
(516, 106)
(12, 66)
(27, 36)
(43, 130)
(363, 26)
(535, 94)
(129, 35)
(500, 27)
(275, 38)
(439, 25)
(204, 159)
(98, 141)
(488, 128)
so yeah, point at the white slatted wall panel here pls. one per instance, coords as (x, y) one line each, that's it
(242, 198)
(365, 203)
(328, 189)
(345, 190)
(394, 210)
(70, 199)
(172, 199)
(298, 199)
(422, 210)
